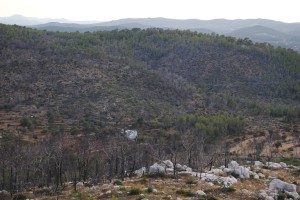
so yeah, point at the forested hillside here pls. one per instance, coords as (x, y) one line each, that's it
(70, 94)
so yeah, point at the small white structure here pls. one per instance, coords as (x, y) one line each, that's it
(131, 134)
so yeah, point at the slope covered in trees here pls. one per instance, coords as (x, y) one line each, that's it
(128, 71)
(184, 92)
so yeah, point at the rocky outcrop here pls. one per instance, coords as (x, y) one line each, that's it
(167, 167)
(131, 134)
(157, 169)
(282, 186)
(273, 165)
(226, 181)
(241, 171)
(168, 164)
(140, 172)
(200, 193)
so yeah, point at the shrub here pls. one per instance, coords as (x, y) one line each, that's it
(281, 197)
(19, 197)
(207, 198)
(228, 189)
(118, 182)
(191, 181)
(25, 122)
(185, 193)
(44, 131)
(144, 180)
(149, 189)
(134, 191)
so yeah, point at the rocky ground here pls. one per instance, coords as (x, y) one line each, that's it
(255, 180)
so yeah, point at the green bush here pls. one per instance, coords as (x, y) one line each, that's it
(185, 193)
(118, 182)
(135, 191)
(228, 189)
(149, 189)
(281, 197)
(25, 123)
(191, 181)
(19, 197)
(207, 198)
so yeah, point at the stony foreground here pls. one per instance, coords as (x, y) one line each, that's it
(252, 181)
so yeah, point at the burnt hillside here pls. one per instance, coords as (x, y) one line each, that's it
(122, 76)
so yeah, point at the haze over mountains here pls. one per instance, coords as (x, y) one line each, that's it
(277, 33)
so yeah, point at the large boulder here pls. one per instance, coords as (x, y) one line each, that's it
(258, 163)
(157, 169)
(273, 165)
(168, 164)
(200, 193)
(277, 184)
(140, 172)
(226, 181)
(241, 171)
(131, 134)
(215, 171)
(179, 167)
(284, 165)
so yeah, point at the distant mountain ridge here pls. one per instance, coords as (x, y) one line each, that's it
(30, 21)
(258, 30)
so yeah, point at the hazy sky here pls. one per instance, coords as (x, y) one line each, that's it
(104, 10)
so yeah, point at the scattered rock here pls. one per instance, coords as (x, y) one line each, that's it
(215, 171)
(282, 186)
(294, 194)
(200, 193)
(241, 171)
(263, 194)
(95, 188)
(283, 165)
(157, 169)
(227, 170)
(269, 198)
(79, 184)
(261, 175)
(226, 181)
(169, 170)
(131, 134)
(273, 165)
(140, 172)
(256, 176)
(168, 164)
(188, 169)
(247, 192)
(108, 192)
(258, 163)
(179, 167)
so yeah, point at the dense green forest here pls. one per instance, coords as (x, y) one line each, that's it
(83, 88)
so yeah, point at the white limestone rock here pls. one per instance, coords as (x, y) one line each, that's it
(269, 198)
(168, 164)
(273, 165)
(179, 167)
(277, 184)
(258, 163)
(200, 193)
(157, 169)
(131, 134)
(140, 172)
(283, 165)
(261, 175)
(243, 172)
